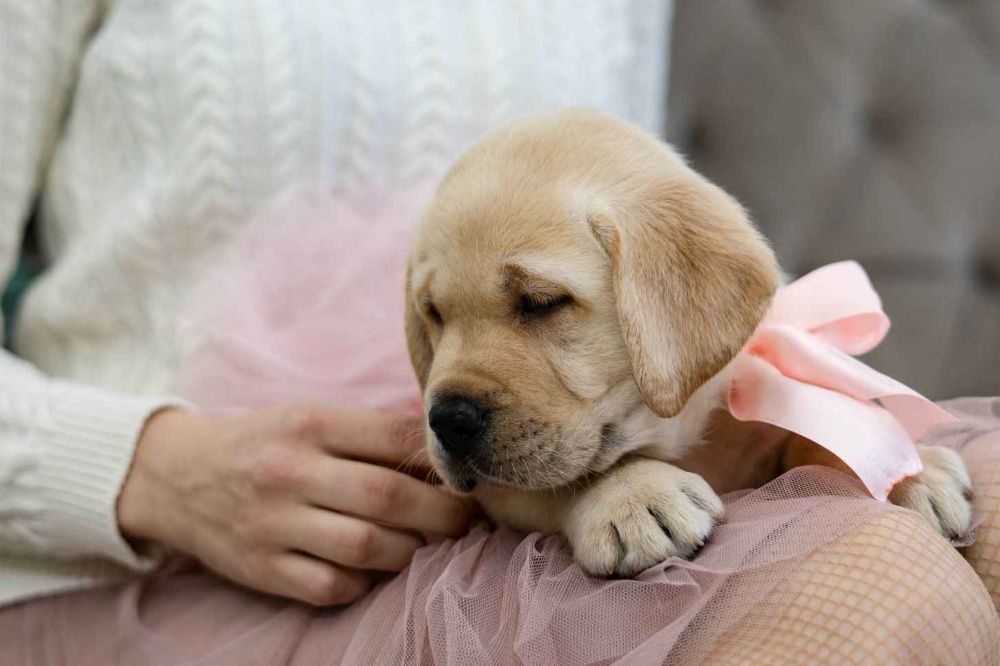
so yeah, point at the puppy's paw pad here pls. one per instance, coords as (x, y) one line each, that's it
(639, 515)
(941, 493)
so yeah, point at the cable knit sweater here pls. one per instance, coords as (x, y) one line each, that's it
(147, 130)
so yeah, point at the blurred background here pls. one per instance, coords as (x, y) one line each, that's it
(868, 130)
(864, 129)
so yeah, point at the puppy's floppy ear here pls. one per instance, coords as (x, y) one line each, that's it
(417, 341)
(692, 279)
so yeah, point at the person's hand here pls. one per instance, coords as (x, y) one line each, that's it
(306, 503)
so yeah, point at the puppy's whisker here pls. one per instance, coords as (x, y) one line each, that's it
(408, 460)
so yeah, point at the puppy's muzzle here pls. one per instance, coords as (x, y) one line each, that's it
(460, 424)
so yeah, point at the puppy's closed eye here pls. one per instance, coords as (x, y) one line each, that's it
(536, 306)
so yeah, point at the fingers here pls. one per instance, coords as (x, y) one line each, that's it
(385, 496)
(349, 541)
(380, 437)
(307, 579)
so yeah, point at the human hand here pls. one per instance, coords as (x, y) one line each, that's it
(301, 502)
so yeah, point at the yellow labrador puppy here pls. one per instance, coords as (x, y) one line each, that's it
(574, 297)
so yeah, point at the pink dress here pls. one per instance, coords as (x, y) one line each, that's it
(321, 319)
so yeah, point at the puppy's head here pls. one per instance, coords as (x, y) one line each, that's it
(572, 281)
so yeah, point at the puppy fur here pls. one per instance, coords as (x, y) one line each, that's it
(580, 283)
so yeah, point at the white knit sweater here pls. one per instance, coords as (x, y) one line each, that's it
(147, 130)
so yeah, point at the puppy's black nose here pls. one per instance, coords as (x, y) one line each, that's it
(460, 425)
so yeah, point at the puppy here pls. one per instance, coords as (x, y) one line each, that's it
(574, 297)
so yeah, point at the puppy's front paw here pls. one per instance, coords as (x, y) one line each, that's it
(941, 493)
(641, 513)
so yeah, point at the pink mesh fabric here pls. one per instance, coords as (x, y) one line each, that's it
(307, 306)
(806, 569)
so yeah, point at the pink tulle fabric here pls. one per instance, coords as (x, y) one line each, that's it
(807, 569)
(309, 307)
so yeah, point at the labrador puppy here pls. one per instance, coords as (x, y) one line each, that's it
(575, 294)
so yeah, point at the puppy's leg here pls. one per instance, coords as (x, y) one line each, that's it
(638, 513)
(940, 493)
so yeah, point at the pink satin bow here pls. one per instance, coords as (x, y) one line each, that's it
(797, 372)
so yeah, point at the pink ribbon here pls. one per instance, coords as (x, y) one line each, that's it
(797, 372)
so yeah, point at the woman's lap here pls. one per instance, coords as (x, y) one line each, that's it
(806, 565)
(890, 591)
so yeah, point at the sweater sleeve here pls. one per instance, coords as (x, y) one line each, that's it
(64, 448)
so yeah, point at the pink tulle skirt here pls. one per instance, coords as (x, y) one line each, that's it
(497, 596)
(308, 306)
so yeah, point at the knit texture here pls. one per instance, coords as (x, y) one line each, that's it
(149, 130)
